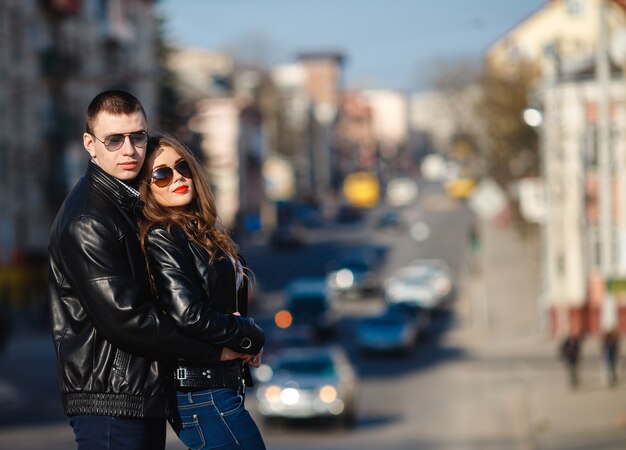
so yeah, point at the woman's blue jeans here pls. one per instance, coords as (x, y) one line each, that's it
(216, 419)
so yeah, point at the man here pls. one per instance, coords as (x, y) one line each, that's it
(108, 333)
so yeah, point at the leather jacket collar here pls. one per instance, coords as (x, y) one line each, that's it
(114, 189)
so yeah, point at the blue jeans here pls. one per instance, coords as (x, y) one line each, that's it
(216, 419)
(118, 433)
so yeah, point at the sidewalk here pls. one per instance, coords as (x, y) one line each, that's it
(502, 324)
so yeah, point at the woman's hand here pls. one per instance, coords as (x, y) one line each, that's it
(253, 360)
(229, 355)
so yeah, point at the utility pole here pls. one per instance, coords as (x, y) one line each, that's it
(605, 170)
(604, 151)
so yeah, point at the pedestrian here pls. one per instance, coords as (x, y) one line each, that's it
(107, 329)
(610, 349)
(196, 268)
(570, 353)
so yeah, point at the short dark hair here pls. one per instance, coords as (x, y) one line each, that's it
(113, 102)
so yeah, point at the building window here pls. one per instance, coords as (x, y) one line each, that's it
(560, 264)
(574, 7)
(594, 248)
(590, 146)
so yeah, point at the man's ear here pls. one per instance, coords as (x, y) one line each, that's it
(89, 143)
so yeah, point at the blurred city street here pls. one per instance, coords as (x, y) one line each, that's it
(486, 377)
(430, 196)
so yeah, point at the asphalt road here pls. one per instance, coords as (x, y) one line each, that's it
(423, 400)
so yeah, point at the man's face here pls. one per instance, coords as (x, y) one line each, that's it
(125, 162)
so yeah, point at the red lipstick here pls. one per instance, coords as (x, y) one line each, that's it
(181, 189)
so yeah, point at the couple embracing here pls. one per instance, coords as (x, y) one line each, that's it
(148, 296)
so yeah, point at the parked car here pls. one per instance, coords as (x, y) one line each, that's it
(287, 234)
(443, 277)
(5, 324)
(416, 313)
(352, 275)
(413, 285)
(390, 220)
(394, 330)
(305, 383)
(310, 305)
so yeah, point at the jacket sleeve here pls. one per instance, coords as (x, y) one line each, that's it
(117, 301)
(184, 300)
(242, 293)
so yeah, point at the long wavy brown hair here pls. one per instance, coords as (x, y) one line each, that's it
(199, 219)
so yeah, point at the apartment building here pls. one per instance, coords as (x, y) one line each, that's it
(54, 57)
(584, 249)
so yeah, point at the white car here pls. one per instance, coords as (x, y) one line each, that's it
(443, 278)
(411, 285)
(310, 382)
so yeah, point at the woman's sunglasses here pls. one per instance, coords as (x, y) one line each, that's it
(163, 176)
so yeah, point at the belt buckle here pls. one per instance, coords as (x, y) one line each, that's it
(181, 373)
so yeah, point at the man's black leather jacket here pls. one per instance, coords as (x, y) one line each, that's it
(108, 331)
(190, 286)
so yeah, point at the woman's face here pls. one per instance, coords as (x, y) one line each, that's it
(176, 190)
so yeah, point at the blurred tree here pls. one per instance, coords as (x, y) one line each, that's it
(172, 112)
(513, 145)
(458, 83)
(255, 48)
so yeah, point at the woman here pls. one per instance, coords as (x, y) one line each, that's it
(197, 272)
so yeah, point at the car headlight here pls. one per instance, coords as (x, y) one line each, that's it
(442, 285)
(290, 396)
(272, 394)
(328, 394)
(344, 278)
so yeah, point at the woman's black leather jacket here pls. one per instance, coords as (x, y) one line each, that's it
(107, 329)
(190, 285)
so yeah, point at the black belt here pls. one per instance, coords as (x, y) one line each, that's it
(195, 377)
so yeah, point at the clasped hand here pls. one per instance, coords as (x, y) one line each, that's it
(251, 360)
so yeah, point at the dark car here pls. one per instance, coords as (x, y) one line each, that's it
(353, 276)
(287, 234)
(394, 330)
(310, 306)
(5, 325)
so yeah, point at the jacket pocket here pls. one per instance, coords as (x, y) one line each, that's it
(120, 364)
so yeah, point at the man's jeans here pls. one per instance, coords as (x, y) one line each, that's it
(216, 419)
(118, 433)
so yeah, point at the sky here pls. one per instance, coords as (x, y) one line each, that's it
(394, 44)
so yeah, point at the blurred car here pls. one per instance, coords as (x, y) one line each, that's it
(392, 331)
(5, 325)
(347, 214)
(287, 234)
(413, 285)
(352, 275)
(305, 383)
(309, 305)
(390, 220)
(308, 215)
(401, 191)
(443, 277)
(416, 313)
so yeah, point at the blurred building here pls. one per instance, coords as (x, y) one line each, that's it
(567, 30)
(355, 141)
(389, 119)
(324, 85)
(577, 282)
(579, 49)
(54, 57)
(294, 143)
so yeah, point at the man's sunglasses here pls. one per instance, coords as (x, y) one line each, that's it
(114, 141)
(163, 176)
